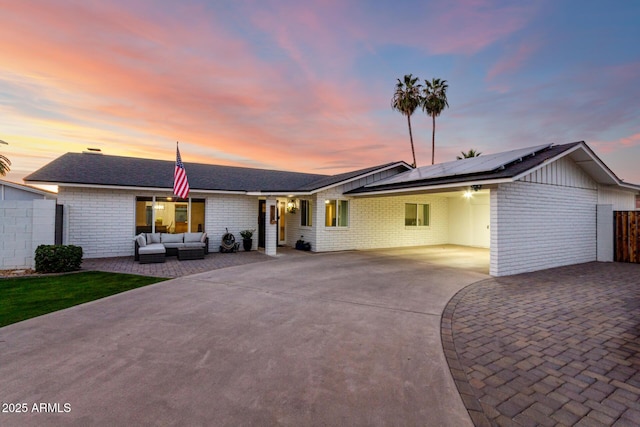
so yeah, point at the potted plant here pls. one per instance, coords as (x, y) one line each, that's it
(302, 245)
(247, 241)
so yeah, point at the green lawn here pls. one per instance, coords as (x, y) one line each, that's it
(26, 297)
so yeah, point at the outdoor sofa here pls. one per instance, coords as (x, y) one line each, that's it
(154, 247)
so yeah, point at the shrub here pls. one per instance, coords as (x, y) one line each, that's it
(58, 258)
(247, 234)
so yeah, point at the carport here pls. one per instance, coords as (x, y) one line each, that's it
(459, 217)
(534, 208)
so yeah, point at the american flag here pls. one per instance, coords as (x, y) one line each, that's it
(180, 182)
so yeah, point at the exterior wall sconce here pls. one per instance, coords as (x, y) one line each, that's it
(292, 206)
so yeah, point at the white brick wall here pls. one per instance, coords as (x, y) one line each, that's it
(235, 212)
(102, 221)
(24, 225)
(537, 226)
(376, 222)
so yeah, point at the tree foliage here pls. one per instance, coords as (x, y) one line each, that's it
(4, 165)
(406, 99)
(471, 153)
(434, 101)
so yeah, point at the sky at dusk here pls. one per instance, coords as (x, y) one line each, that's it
(307, 85)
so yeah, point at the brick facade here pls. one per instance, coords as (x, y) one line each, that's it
(537, 226)
(545, 219)
(102, 221)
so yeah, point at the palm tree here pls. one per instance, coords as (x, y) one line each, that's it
(433, 102)
(471, 153)
(4, 165)
(406, 99)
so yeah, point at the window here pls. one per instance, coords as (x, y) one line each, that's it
(169, 215)
(336, 213)
(416, 215)
(305, 213)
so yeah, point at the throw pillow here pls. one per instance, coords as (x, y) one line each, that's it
(142, 241)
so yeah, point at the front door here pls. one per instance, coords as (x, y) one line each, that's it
(282, 235)
(262, 217)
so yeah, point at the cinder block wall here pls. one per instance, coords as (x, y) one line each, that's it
(24, 225)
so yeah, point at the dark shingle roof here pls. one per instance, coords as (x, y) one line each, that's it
(508, 171)
(99, 169)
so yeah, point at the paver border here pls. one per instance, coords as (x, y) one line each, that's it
(469, 399)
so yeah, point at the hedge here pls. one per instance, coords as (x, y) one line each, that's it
(58, 258)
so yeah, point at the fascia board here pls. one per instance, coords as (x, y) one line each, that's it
(582, 146)
(133, 188)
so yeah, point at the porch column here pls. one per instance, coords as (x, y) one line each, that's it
(271, 227)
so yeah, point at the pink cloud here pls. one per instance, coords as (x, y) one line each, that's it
(468, 26)
(513, 60)
(613, 146)
(135, 79)
(145, 81)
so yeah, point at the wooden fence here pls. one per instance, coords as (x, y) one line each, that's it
(627, 236)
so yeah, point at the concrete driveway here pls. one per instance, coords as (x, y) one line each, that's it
(349, 338)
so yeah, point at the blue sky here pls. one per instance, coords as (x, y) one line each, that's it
(307, 86)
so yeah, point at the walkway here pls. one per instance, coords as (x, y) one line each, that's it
(554, 347)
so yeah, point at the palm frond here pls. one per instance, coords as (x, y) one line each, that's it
(4, 165)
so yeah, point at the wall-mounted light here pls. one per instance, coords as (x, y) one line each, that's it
(158, 206)
(292, 206)
(467, 194)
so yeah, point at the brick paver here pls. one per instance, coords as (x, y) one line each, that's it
(173, 267)
(555, 347)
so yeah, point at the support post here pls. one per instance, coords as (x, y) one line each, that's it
(271, 227)
(604, 233)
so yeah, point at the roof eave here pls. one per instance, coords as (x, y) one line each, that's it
(611, 178)
(432, 187)
(134, 188)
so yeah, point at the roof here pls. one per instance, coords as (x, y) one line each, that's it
(99, 170)
(343, 177)
(468, 166)
(85, 169)
(28, 189)
(505, 166)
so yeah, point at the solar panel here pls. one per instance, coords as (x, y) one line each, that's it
(484, 163)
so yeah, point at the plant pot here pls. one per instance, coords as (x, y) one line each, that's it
(247, 244)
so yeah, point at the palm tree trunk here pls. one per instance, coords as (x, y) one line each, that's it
(433, 140)
(413, 152)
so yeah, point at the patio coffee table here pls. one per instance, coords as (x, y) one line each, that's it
(185, 254)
